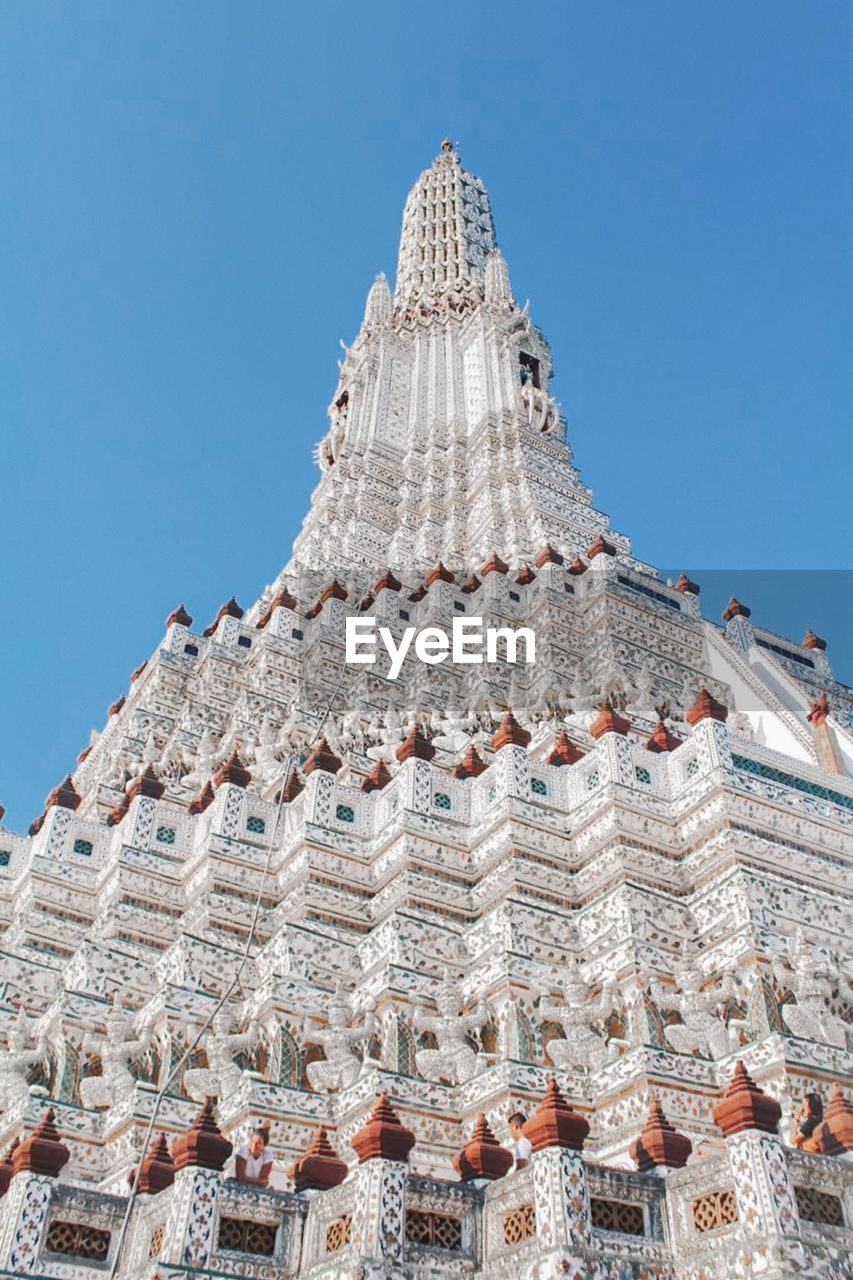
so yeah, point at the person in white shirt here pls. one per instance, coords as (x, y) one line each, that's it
(519, 1146)
(254, 1160)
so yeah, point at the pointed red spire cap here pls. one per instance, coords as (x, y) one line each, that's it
(158, 1169)
(745, 1106)
(525, 576)
(473, 584)
(471, 765)
(577, 567)
(322, 757)
(134, 675)
(819, 711)
(494, 564)
(662, 739)
(281, 600)
(838, 1123)
(812, 641)
(116, 707)
(64, 796)
(84, 754)
(383, 1137)
(482, 1156)
(232, 771)
(378, 777)
(179, 617)
(293, 787)
(387, 583)
(565, 751)
(548, 555)
(510, 732)
(706, 707)
(734, 609)
(7, 1167)
(202, 1146)
(600, 547)
(684, 584)
(609, 721)
(415, 746)
(439, 574)
(147, 784)
(43, 1151)
(203, 800)
(555, 1124)
(418, 594)
(660, 1145)
(116, 815)
(320, 1167)
(334, 591)
(230, 609)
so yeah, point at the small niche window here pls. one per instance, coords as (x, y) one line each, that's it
(692, 768)
(459, 606)
(442, 801)
(5, 855)
(592, 780)
(514, 596)
(256, 825)
(191, 649)
(492, 793)
(568, 588)
(244, 642)
(165, 835)
(404, 614)
(297, 635)
(528, 369)
(83, 847)
(643, 775)
(538, 787)
(344, 813)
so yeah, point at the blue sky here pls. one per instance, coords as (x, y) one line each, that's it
(199, 195)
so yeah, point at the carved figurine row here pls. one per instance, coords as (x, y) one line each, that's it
(596, 1029)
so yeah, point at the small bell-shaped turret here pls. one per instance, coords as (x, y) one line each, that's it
(379, 308)
(498, 287)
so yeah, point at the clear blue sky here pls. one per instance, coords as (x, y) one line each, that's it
(197, 196)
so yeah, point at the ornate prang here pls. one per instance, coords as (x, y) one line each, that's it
(43, 1151)
(662, 739)
(203, 1146)
(609, 721)
(470, 766)
(745, 1106)
(706, 707)
(510, 733)
(384, 1137)
(378, 777)
(322, 757)
(659, 1145)
(555, 1124)
(320, 1168)
(482, 1156)
(179, 617)
(158, 1168)
(601, 547)
(415, 746)
(203, 800)
(230, 609)
(232, 771)
(734, 609)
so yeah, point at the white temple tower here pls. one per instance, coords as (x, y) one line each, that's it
(611, 888)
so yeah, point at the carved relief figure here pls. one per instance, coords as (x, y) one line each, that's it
(117, 1049)
(809, 980)
(702, 1029)
(584, 1047)
(222, 1076)
(341, 1067)
(454, 1060)
(16, 1061)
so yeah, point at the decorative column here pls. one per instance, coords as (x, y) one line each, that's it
(36, 1163)
(511, 765)
(563, 1223)
(379, 1216)
(766, 1205)
(199, 1155)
